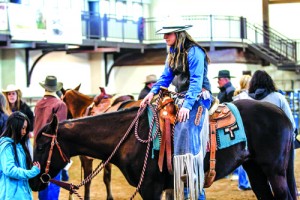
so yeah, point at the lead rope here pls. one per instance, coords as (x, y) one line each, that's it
(154, 119)
(102, 165)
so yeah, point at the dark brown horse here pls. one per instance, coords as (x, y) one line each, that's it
(80, 105)
(268, 159)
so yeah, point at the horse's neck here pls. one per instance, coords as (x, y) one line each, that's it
(105, 134)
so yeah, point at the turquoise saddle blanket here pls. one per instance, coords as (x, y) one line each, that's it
(227, 139)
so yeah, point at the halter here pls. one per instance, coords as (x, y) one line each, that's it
(45, 177)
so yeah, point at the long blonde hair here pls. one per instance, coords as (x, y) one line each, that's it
(183, 39)
(244, 84)
(17, 104)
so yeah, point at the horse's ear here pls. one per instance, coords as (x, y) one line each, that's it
(54, 123)
(63, 91)
(102, 90)
(78, 87)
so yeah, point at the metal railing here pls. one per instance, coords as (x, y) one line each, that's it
(206, 28)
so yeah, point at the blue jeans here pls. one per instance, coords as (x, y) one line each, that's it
(52, 191)
(200, 197)
(243, 179)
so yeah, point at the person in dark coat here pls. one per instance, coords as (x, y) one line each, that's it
(150, 81)
(225, 86)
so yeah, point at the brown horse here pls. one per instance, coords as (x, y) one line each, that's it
(80, 105)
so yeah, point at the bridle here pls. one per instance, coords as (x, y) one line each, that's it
(45, 177)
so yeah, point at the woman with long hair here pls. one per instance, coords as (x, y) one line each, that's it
(186, 68)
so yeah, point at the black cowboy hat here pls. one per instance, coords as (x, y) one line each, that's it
(51, 84)
(224, 74)
(151, 79)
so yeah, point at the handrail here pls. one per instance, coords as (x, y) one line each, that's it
(206, 28)
(209, 29)
(269, 38)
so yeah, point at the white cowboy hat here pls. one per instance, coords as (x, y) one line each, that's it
(172, 28)
(11, 88)
(173, 24)
(51, 84)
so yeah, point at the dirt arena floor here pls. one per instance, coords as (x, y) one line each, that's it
(224, 189)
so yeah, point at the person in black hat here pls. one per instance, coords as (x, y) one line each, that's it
(225, 86)
(150, 80)
(43, 114)
(186, 68)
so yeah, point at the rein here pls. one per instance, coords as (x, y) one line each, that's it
(45, 177)
(73, 188)
(148, 141)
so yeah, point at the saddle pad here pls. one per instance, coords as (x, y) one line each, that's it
(225, 138)
(156, 141)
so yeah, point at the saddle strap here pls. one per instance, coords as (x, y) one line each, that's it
(166, 147)
(88, 109)
(114, 108)
(211, 174)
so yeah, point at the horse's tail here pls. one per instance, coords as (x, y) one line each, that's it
(290, 172)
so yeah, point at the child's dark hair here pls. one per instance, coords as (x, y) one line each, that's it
(14, 125)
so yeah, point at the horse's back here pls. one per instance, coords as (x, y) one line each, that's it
(268, 129)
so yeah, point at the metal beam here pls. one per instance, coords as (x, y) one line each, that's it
(23, 45)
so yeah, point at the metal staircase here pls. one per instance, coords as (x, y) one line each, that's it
(273, 48)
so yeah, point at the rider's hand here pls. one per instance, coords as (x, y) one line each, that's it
(36, 163)
(147, 99)
(183, 115)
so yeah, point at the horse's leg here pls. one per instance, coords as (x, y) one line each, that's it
(107, 180)
(87, 165)
(279, 181)
(280, 187)
(258, 180)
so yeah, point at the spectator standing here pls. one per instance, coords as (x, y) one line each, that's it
(263, 88)
(16, 166)
(15, 103)
(225, 86)
(225, 95)
(43, 114)
(186, 67)
(3, 113)
(150, 81)
(242, 93)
